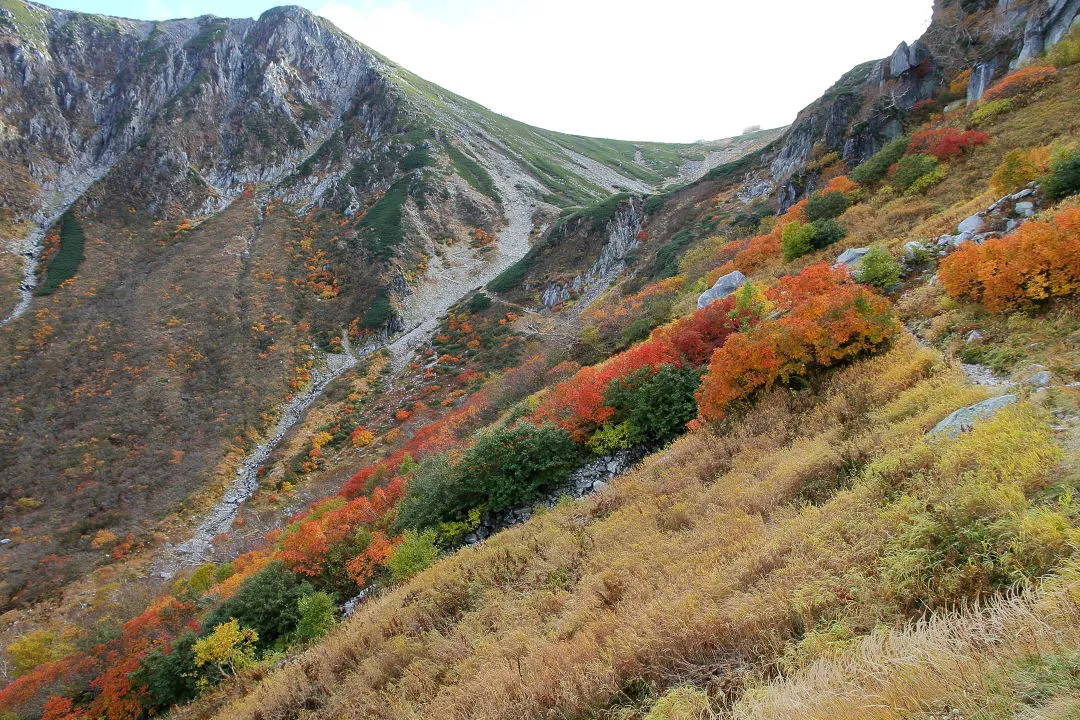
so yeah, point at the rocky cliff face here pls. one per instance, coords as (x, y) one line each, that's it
(866, 107)
(621, 239)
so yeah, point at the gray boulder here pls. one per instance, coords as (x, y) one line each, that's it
(1041, 379)
(723, 287)
(965, 418)
(1026, 208)
(915, 250)
(851, 257)
(972, 225)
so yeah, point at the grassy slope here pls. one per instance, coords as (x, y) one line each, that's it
(707, 560)
(542, 149)
(730, 558)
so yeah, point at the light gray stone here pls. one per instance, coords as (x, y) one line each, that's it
(1040, 379)
(722, 288)
(1026, 208)
(900, 60)
(971, 225)
(599, 485)
(915, 250)
(965, 418)
(851, 257)
(1022, 194)
(973, 336)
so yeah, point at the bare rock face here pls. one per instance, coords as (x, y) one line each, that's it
(863, 110)
(206, 105)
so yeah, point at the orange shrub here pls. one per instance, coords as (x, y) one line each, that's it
(841, 184)
(825, 318)
(1020, 82)
(1038, 261)
(759, 250)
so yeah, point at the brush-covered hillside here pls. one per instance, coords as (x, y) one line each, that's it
(790, 436)
(204, 222)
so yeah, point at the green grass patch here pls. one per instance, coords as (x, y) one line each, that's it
(65, 263)
(666, 263)
(512, 276)
(379, 313)
(415, 159)
(599, 213)
(382, 223)
(472, 172)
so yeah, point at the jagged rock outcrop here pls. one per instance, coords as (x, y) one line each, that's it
(621, 233)
(866, 107)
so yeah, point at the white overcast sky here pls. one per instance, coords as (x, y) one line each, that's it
(674, 70)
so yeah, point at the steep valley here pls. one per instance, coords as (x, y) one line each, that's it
(299, 352)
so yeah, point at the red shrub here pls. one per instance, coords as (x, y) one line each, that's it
(946, 143)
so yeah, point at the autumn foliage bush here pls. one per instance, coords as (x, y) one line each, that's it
(1039, 261)
(1020, 82)
(946, 143)
(825, 318)
(578, 405)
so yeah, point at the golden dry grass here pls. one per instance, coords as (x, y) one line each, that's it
(702, 566)
(957, 662)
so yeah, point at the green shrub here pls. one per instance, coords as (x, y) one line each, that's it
(267, 602)
(317, 615)
(986, 113)
(416, 552)
(910, 168)
(798, 239)
(65, 263)
(1067, 51)
(657, 404)
(204, 576)
(510, 466)
(637, 331)
(170, 678)
(378, 314)
(878, 166)
(1064, 176)
(434, 495)
(879, 268)
(827, 232)
(478, 303)
(825, 206)
(452, 533)
(608, 439)
(927, 181)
